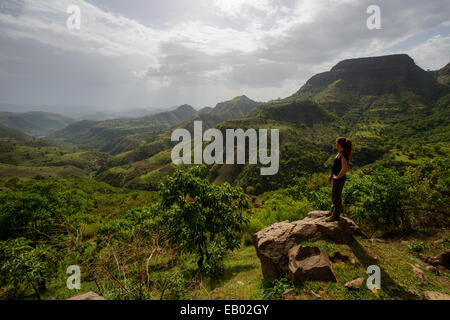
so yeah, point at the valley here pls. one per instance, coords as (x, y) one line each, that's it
(105, 194)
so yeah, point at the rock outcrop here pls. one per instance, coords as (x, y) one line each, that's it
(310, 263)
(433, 295)
(87, 296)
(354, 284)
(441, 260)
(273, 243)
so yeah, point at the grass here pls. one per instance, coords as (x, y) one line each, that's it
(243, 278)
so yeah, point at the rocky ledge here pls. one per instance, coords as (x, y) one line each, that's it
(273, 243)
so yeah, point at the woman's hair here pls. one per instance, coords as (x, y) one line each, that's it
(346, 145)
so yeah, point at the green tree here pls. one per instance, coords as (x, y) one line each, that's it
(39, 211)
(380, 200)
(196, 212)
(23, 264)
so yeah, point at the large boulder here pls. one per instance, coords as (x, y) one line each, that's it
(273, 243)
(310, 263)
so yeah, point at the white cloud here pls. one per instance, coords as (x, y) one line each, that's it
(239, 8)
(263, 48)
(433, 53)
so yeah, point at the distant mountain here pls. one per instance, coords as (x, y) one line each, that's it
(8, 133)
(358, 82)
(34, 123)
(80, 113)
(391, 109)
(205, 110)
(101, 135)
(71, 111)
(237, 107)
(123, 134)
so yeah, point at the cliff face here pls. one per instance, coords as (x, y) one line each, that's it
(374, 76)
(444, 75)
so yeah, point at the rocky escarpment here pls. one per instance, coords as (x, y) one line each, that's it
(273, 243)
(374, 76)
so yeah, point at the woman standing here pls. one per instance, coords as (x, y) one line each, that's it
(337, 177)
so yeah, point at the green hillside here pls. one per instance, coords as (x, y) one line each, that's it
(394, 111)
(120, 135)
(101, 135)
(106, 196)
(34, 123)
(6, 132)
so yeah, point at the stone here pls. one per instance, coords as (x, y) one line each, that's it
(419, 274)
(338, 256)
(433, 270)
(392, 288)
(441, 260)
(414, 292)
(273, 243)
(316, 294)
(355, 284)
(289, 294)
(87, 296)
(434, 295)
(310, 263)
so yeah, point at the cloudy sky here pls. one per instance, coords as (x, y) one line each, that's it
(161, 53)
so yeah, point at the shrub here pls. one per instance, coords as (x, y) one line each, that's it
(279, 207)
(380, 200)
(214, 267)
(273, 290)
(195, 212)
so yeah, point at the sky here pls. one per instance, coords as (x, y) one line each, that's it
(132, 54)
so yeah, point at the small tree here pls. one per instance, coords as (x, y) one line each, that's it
(381, 199)
(196, 212)
(20, 264)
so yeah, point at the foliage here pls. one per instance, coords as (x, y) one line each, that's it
(23, 264)
(278, 207)
(39, 211)
(390, 201)
(273, 290)
(214, 267)
(195, 212)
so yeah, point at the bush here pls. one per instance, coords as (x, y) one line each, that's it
(195, 213)
(214, 267)
(273, 290)
(387, 200)
(279, 207)
(24, 265)
(380, 200)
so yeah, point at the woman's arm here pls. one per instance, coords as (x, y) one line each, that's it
(343, 170)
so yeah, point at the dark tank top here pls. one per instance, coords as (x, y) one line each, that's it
(337, 167)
